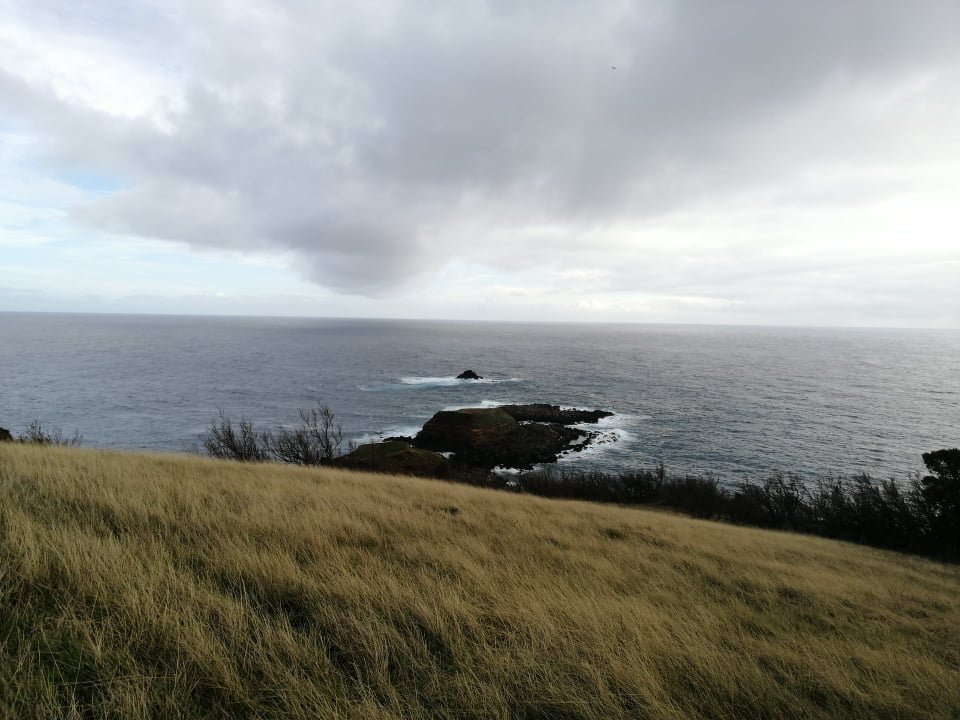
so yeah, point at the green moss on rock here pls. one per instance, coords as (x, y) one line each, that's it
(394, 456)
(466, 429)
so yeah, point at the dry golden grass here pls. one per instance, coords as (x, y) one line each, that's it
(152, 586)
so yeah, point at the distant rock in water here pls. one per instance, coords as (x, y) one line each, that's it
(541, 412)
(393, 456)
(5, 435)
(485, 438)
(469, 375)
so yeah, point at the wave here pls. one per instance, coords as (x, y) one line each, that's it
(481, 404)
(453, 382)
(602, 442)
(608, 434)
(403, 431)
(616, 420)
(415, 382)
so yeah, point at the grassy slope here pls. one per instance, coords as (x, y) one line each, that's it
(137, 586)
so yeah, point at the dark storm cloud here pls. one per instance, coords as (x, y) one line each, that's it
(378, 141)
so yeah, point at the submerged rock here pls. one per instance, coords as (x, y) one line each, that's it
(469, 375)
(393, 456)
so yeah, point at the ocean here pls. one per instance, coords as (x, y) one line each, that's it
(734, 402)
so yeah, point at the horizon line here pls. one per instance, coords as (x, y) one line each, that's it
(481, 321)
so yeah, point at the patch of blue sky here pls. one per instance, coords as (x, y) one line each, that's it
(93, 181)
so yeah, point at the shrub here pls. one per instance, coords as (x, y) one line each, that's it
(243, 442)
(699, 496)
(915, 516)
(779, 502)
(316, 441)
(35, 434)
(941, 490)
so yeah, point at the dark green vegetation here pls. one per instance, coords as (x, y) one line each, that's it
(919, 515)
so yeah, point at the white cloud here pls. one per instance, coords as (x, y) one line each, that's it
(85, 69)
(743, 159)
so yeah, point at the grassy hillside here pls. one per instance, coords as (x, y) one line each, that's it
(153, 586)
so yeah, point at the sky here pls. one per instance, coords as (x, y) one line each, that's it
(747, 162)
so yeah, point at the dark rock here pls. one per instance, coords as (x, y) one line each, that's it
(5, 435)
(469, 375)
(395, 457)
(541, 412)
(486, 438)
(479, 439)
(528, 445)
(467, 429)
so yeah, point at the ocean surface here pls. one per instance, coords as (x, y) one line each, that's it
(731, 401)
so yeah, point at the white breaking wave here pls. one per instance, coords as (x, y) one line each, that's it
(603, 441)
(405, 431)
(481, 404)
(616, 420)
(610, 421)
(426, 383)
(453, 382)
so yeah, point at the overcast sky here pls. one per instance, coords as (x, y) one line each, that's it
(746, 161)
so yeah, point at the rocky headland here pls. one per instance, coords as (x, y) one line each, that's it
(511, 436)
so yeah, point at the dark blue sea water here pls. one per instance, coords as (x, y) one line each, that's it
(732, 401)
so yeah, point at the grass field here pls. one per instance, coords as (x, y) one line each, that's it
(137, 586)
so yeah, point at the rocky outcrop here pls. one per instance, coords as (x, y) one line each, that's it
(467, 429)
(530, 444)
(394, 457)
(488, 437)
(542, 412)
(479, 439)
(469, 375)
(5, 435)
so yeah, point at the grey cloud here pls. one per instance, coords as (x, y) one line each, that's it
(358, 139)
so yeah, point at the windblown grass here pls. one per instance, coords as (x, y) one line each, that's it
(158, 586)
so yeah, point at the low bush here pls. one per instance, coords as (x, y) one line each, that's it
(241, 442)
(941, 491)
(35, 434)
(317, 440)
(915, 516)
